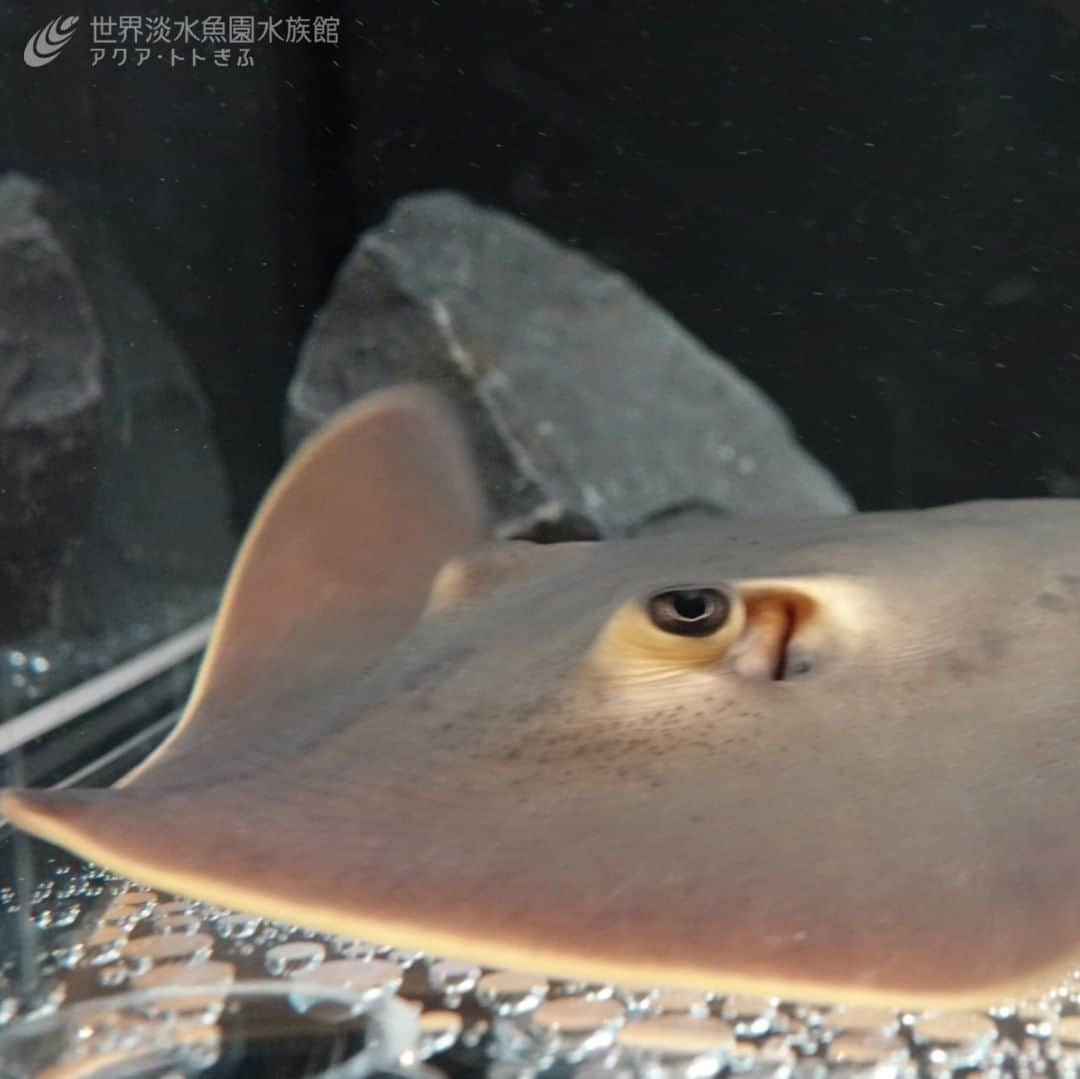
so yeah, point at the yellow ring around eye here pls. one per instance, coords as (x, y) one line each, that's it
(631, 642)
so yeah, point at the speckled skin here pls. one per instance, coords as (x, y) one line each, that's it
(897, 820)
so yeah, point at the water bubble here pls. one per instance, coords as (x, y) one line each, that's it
(955, 1039)
(42, 891)
(862, 1019)
(67, 915)
(113, 976)
(370, 980)
(751, 1016)
(678, 1044)
(294, 958)
(637, 1002)
(123, 920)
(68, 950)
(39, 664)
(1064, 1047)
(689, 1001)
(511, 993)
(104, 947)
(16, 659)
(439, 1030)
(1037, 1018)
(176, 923)
(882, 1056)
(474, 1032)
(129, 1042)
(134, 897)
(146, 952)
(349, 948)
(507, 1039)
(453, 979)
(404, 959)
(210, 982)
(176, 906)
(103, 1030)
(575, 1027)
(237, 926)
(57, 915)
(776, 1056)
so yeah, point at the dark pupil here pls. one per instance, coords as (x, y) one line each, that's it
(689, 612)
(691, 605)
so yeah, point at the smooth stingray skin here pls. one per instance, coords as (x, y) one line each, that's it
(504, 760)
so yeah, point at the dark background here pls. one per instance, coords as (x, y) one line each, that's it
(870, 207)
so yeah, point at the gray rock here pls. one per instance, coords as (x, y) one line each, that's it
(50, 411)
(590, 405)
(155, 540)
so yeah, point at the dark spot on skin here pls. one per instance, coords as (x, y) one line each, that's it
(958, 665)
(1071, 583)
(1051, 601)
(994, 645)
(434, 668)
(987, 652)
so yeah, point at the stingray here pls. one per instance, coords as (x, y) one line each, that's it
(828, 759)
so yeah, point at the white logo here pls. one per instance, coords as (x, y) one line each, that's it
(44, 46)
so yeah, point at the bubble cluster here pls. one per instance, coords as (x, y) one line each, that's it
(158, 981)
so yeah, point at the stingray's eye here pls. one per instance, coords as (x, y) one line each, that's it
(689, 612)
(671, 631)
